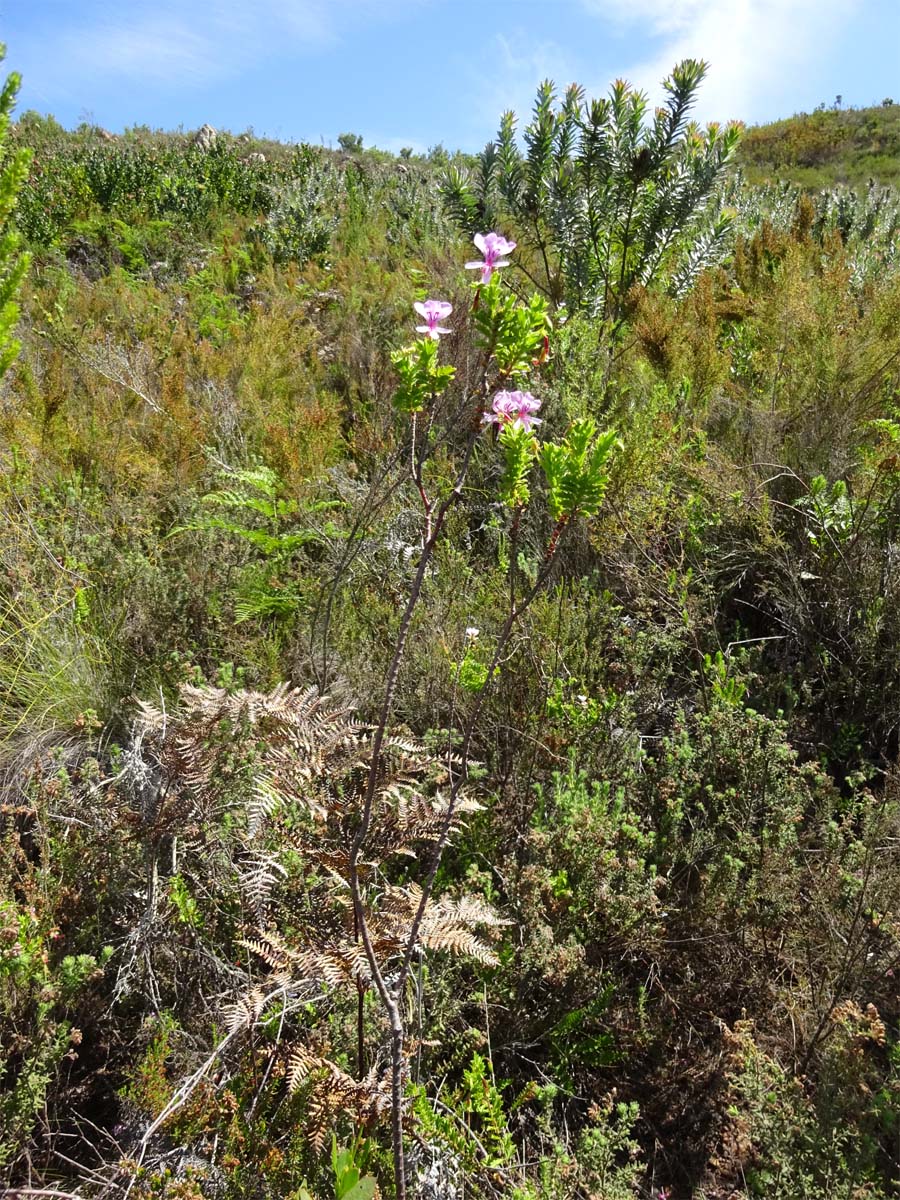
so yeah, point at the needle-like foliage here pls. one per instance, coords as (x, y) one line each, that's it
(606, 194)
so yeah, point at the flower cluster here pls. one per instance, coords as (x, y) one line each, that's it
(517, 410)
(494, 247)
(513, 408)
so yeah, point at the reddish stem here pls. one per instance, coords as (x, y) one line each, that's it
(555, 536)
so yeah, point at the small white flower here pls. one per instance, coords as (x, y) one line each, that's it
(471, 633)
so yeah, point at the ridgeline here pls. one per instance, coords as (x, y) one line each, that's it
(826, 147)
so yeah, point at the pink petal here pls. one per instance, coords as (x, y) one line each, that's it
(505, 406)
(474, 266)
(500, 245)
(479, 239)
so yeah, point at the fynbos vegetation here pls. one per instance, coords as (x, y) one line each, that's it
(448, 701)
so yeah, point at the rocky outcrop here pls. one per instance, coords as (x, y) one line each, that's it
(205, 138)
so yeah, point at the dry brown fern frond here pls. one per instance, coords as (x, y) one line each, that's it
(408, 809)
(333, 1093)
(258, 877)
(289, 736)
(408, 817)
(333, 963)
(302, 770)
(333, 860)
(332, 956)
(446, 924)
(269, 946)
(247, 1009)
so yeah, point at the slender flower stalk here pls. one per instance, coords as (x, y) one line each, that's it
(511, 336)
(494, 247)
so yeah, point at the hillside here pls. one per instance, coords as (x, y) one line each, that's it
(826, 147)
(449, 670)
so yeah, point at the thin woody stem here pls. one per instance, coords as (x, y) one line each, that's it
(515, 611)
(390, 1001)
(390, 998)
(416, 469)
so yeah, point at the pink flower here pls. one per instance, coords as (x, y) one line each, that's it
(493, 246)
(433, 312)
(517, 408)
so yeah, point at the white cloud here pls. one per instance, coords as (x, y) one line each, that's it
(756, 49)
(157, 48)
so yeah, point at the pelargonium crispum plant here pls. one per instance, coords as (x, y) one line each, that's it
(513, 339)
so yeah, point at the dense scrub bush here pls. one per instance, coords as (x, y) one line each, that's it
(850, 145)
(304, 213)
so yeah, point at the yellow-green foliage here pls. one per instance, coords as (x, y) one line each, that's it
(830, 145)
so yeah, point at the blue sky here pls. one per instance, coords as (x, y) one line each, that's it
(419, 72)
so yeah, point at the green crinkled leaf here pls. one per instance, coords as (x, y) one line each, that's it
(519, 447)
(514, 332)
(419, 376)
(576, 469)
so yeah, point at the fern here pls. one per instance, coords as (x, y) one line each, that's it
(291, 731)
(275, 537)
(296, 764)
(332, 1093)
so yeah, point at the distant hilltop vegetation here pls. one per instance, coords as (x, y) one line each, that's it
(812, 150)
(826, 147)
